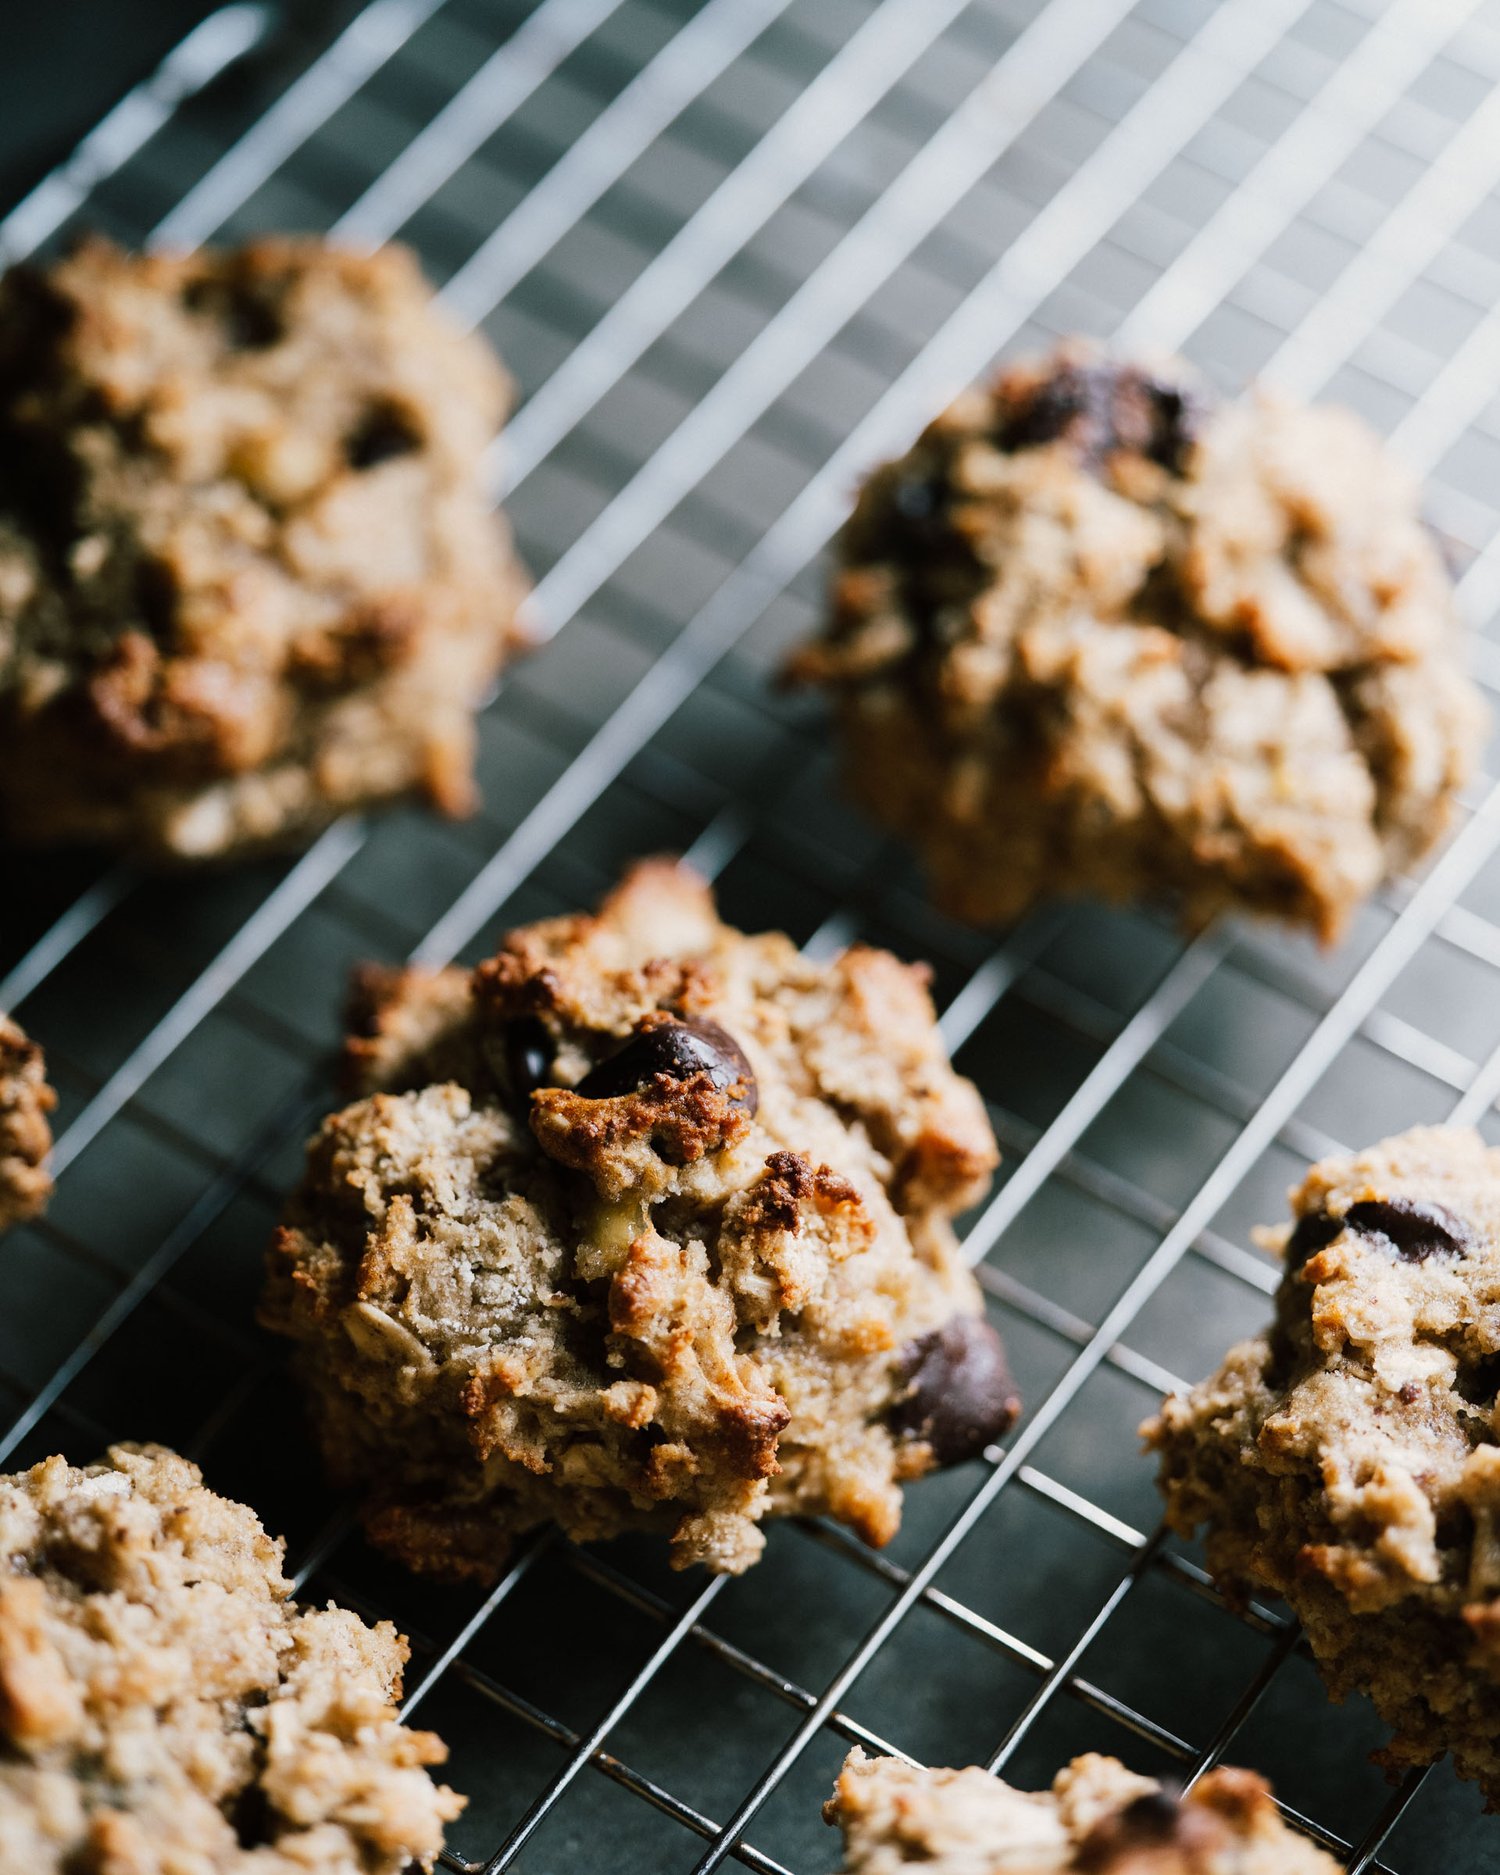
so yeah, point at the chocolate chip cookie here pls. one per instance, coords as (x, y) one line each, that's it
(1349, 1459)
(248, 575)
(25, 1137)
(1098, 1819)
(1097, 633)
(166, 1708)
(648, 1227)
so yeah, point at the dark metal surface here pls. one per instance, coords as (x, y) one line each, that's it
(733, 253)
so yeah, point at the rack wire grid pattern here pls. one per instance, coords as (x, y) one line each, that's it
(735, 252)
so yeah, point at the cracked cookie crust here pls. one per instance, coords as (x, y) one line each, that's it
(248, 573)
(1098, 634)
(25, 1137)
(165, 1706)
(1098, 1819)
(1349, 1458)
(648, 1226)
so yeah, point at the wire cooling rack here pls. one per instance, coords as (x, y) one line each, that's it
(734, 252)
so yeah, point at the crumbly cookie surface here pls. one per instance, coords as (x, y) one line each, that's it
(1094, 634)
(25, 1136)
(1098, 1819)
(649, 1227)
(1349, 1459)
(248, 575)
(167, 1709)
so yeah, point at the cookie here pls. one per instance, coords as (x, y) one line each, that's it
(1095, 633)
(25, 1137)
(248, 574)
(166, 1708)
(1349, 1458)
(1098, 1819)
(648, 1228)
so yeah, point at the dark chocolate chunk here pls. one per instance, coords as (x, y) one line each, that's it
(1151, 1821)
(918, 498)
(250, 1817)
(1289, 1333)
(253, 325)
(1477, 1381)
(679, 1050)
(959, 1393)
(529, 1050)
(1312, 1232)
(385, 433)
(1418, 1227)
(251, 321)
(157, 595)
(1104, 407)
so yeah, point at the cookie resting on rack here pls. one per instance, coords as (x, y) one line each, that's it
(1098, 1819)
(25, 1136)
(248, 573)
(1349, 1458)
(1095, 633)
(167, 1709)
(650, 1228)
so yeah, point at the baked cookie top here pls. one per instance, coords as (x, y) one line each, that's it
(235, 486)
(1094, 605)
(166, 1706)
(1349, 1459)
(652, 1227)
(25, 1136)
(1098, 1819)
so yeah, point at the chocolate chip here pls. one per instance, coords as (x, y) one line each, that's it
(1477, 1381)
(1153, 1815)
(1101, 408)
(251, 322)
(919, 503)
(1416, 1226)
(678, 1050)
(250, 1817)
(917, 498)
(156, 595)
(529, 1051)
(385, 433)
(959, 1393)
(253, 326)
(1312, 1232)
(1151, 1821)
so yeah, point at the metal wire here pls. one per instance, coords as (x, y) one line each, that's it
(877, 142)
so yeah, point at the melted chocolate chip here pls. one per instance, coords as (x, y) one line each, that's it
(1150, 1821)
(253, 326)
(679, 1050)
(1416, 1226)
(156, 596)
(1310, 1235)
(917, 500)
(1477, 1381)
(251, 322)
(959, 1393)
(1101, 408)
(529, 1050)
(250, 1817)
(385, 433)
